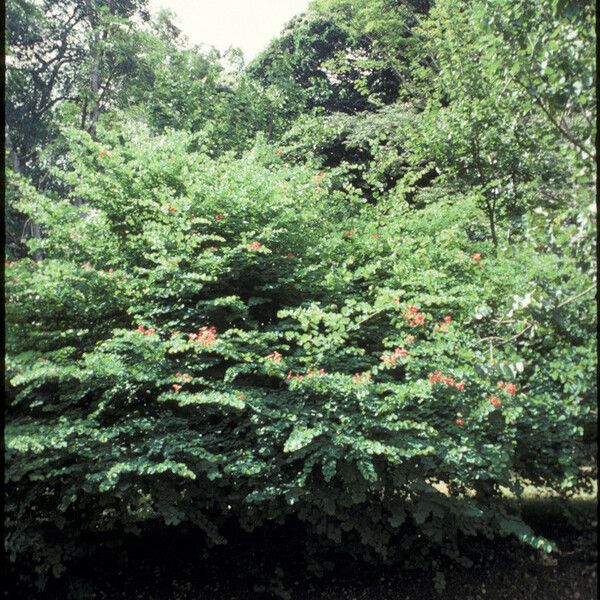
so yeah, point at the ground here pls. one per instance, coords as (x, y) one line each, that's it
(502, 570)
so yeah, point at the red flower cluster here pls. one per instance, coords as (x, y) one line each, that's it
(255, 246)
(442, 326)
(309, 373)
(413, 315)
(145, 331)
(509, 388)
(437, 377)
(176, 387)
(206, 336)
(275, 357)
(459, 422)
(393, 358)
(494, 401)
(185, 376)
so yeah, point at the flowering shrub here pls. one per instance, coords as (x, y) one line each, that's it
(203, 341)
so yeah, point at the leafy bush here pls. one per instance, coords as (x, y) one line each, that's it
(207, 341)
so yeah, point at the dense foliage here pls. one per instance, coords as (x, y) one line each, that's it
(350, 284)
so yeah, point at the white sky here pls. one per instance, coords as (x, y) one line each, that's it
(246, 24)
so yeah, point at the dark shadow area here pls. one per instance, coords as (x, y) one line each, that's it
(173, 564)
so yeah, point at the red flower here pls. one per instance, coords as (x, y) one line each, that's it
(171, 208)
(500, 385)
(511, 389)
(255, 246)
(460, 386)
(348, 233)
(110, 271)
(410, 311)
(356, 377)
(276, 357)
(476, 257)
(177, 375)
(289, 375)
(290, 256)
(186, 377)
(141, 329)
(149, 331)
(448, 320)
(459, 422)
(241, 396)
(176, 387)
(207, 336)
(219, 217)
(418, 320)
(448, 381)
(435, 376)
(193, 336)
(389, 358)
(396, 300)
(400, 352)
(299, 377)
(321, 371)
(495, 401)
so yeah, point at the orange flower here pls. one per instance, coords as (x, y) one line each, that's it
(218, 217)
(500, 385)
(255, 246)
(434, 377)
(495, 401)
(448, 320)
(356, 377)
(511, 389)
(460, 386)
(275, 357)
(476, 257)
(206, 336)
(102, 152)
(410, 339)
(149, 331)
(176, 387)
(459, 422)
(186, 377)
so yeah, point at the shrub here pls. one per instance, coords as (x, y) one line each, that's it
(207, 341)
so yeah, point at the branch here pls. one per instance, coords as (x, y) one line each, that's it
(577, 296)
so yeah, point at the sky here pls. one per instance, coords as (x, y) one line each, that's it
(246, 24)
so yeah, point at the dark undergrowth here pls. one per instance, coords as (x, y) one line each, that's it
(172, 565)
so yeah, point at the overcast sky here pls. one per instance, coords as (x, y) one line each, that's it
(246, 24)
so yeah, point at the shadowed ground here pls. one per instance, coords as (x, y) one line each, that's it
(169, 567)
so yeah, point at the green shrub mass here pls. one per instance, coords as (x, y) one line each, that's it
(257, 336)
